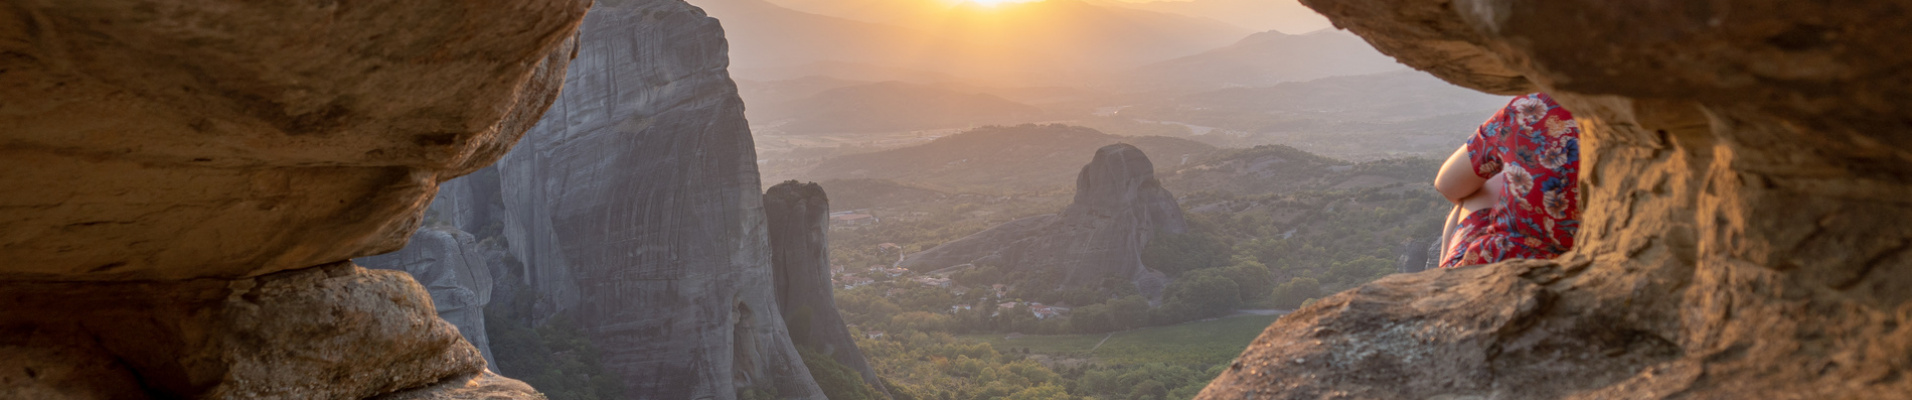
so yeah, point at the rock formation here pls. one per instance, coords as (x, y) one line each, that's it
(799, 221)
(189, 178)
(1746, 165)
(635, 207)
(447, 262)
(1118, 206)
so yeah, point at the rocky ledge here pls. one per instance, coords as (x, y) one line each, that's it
(1745, 170)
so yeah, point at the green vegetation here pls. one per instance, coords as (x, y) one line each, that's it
(556, 358)
(1209, 342)
(837, 381)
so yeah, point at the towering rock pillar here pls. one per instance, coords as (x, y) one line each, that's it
(635, 206)
(1118, 207)
(799, 215)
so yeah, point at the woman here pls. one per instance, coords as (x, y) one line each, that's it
(1515, 186)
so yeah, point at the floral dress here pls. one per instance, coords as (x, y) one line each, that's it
(1537, 144)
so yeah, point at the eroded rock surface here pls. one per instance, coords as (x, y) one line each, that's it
(188, 178)
(331, 332)
(635, 208)
(798, 215)
(1118, 206)
(182, 139)
(1745, 178)
(448, 263)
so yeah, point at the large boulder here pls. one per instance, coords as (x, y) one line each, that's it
(1118, 207)
(449, 263)
(1746, 165)
(798, 215)
(174, 140)
(188, 178)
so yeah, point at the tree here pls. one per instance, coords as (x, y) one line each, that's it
(1290, 295)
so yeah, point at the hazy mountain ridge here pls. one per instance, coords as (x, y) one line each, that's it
(999, 159)
(1269, 58)
(889, 107)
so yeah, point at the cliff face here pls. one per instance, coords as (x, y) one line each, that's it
(1745, 174)
(188, 178)
(635, 206)
(1118, 206)
(799, 221)
(452, 269)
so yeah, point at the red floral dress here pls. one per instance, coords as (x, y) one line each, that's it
(1537, 144)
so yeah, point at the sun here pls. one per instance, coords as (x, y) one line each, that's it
(993, 3)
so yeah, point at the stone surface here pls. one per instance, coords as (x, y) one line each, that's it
(1118, 206)
(449, 264)
(336, 331)
(635, 207)
(168, 140)
(1745, 172)
(798, 216)
(187, 178)
(480, 386)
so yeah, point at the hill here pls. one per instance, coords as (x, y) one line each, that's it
(892, 107)
(1395, 114)
(1269, 58)
(851, 194)
(1000, 159)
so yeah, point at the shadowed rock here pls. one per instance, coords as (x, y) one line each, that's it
(635, 207)
(1118, 206)
(799, 220)
(1745, 175)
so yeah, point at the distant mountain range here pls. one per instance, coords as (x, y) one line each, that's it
(1268, 58)
(888, 107)
(1262, 15)
(1024, 158)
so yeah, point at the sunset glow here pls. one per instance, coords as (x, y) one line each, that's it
(993, 3)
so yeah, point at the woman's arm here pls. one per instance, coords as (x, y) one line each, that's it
(1457, 180)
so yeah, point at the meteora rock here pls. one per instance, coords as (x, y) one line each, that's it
(1745, 172)
(636, 211)
(799, 221)
(1118, 207)
(187, 180)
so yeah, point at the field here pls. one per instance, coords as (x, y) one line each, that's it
(1196, 343)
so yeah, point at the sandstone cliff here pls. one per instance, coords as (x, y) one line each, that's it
(635, 207)
(1118, 206)
(1745, 174)
(448, 263)
(799, 221)
(188, 178)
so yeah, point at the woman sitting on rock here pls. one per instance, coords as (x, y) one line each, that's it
(1515, 186)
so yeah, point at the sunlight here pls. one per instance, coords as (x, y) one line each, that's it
(993, 3)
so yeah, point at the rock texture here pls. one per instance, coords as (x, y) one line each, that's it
(798, 215)
(188, 178)
(212, 142)
(450, 266)
(331, 332)
(635, 206)
(1745, 171)
(1118, 206)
